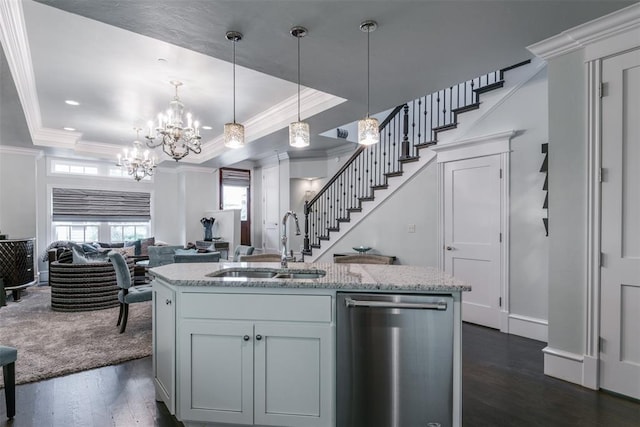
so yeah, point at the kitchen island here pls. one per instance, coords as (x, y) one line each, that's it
(255, 344)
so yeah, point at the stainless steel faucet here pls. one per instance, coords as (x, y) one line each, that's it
(284, 260)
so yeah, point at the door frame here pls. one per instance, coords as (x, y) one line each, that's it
(480, 146)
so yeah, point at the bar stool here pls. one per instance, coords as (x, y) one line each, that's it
(8, 356)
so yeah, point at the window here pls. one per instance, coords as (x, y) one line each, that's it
(126, 232)
(73, 168)
(76, 232)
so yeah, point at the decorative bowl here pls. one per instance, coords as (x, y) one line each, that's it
(361, 249)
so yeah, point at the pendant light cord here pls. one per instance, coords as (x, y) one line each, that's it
(368, 70)
(234, 81)
(298, 78)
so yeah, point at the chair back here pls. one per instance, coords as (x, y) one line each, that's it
(198, 257)
(123, 275)
(161, 255)
(242, 250)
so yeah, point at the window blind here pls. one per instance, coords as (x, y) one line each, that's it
(99, 205)
(235, 177)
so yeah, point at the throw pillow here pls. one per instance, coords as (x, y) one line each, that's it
(89, 248)
(136, 245)
(78, 255)
(144, 245)
(129, 251)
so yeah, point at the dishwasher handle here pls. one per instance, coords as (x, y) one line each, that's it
(349, 302)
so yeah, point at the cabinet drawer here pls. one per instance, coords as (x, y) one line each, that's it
(302, 308)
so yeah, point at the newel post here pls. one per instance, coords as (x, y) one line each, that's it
(307, 248)
(405, 132)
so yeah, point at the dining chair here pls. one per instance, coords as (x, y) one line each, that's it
(242, 250)
(260, 258)
(8, 356)
(128, 294)
(197, 257)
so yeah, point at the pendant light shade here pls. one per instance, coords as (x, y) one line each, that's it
(234, 132)
(368, 128)
(299, 131)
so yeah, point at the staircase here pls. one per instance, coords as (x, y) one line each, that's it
(407, 130)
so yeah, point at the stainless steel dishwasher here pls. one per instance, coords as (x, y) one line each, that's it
(394, 361)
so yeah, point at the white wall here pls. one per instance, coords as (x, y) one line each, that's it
(199, 194)
(567, 202)
(386, 229)
(18, 205)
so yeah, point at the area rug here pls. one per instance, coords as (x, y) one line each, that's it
(52, 343)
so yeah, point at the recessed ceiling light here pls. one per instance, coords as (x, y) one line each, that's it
(207, 127)
(71, 102)
(69, 129)
(162, 60)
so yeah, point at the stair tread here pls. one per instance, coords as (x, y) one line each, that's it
(445, 127)
(490, 87)
(391, 174)
(466, 108)
(409, 159)
(425, 144)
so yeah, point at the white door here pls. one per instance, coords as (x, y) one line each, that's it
(271, 203)
(472, 239)
(620, 274)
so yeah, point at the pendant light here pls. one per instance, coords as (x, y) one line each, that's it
(234, 132)
(368, 128)
(299, 131)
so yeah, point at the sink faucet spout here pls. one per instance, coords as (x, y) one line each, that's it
(285, 258)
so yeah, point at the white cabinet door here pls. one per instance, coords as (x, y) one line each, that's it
(164, 367)
(216, 372)
(293, 375)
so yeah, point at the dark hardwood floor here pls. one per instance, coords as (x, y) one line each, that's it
(503, 385)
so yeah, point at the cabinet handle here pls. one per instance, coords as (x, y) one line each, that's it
(168, 302)
(258, 337)
(246, 337)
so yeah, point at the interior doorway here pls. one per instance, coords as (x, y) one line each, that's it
(235, 193)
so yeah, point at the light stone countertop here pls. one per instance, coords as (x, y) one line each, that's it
(338, 276)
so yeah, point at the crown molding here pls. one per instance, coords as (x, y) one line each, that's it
(5, 149)
(197, 169)
(13, 36)
(588, 33)
(484, 145)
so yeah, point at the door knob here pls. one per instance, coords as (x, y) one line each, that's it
(258, 337)
(246, 338)
(449, 248)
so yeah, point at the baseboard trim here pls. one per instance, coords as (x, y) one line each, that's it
(528, 327)
(563, 365)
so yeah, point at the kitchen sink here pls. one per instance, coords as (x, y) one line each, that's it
(301, 275)
(268, 273)
(246, 273)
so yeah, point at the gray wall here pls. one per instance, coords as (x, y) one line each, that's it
(567, 202)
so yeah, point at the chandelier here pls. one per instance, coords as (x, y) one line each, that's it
(137, 162)
(176, 139)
